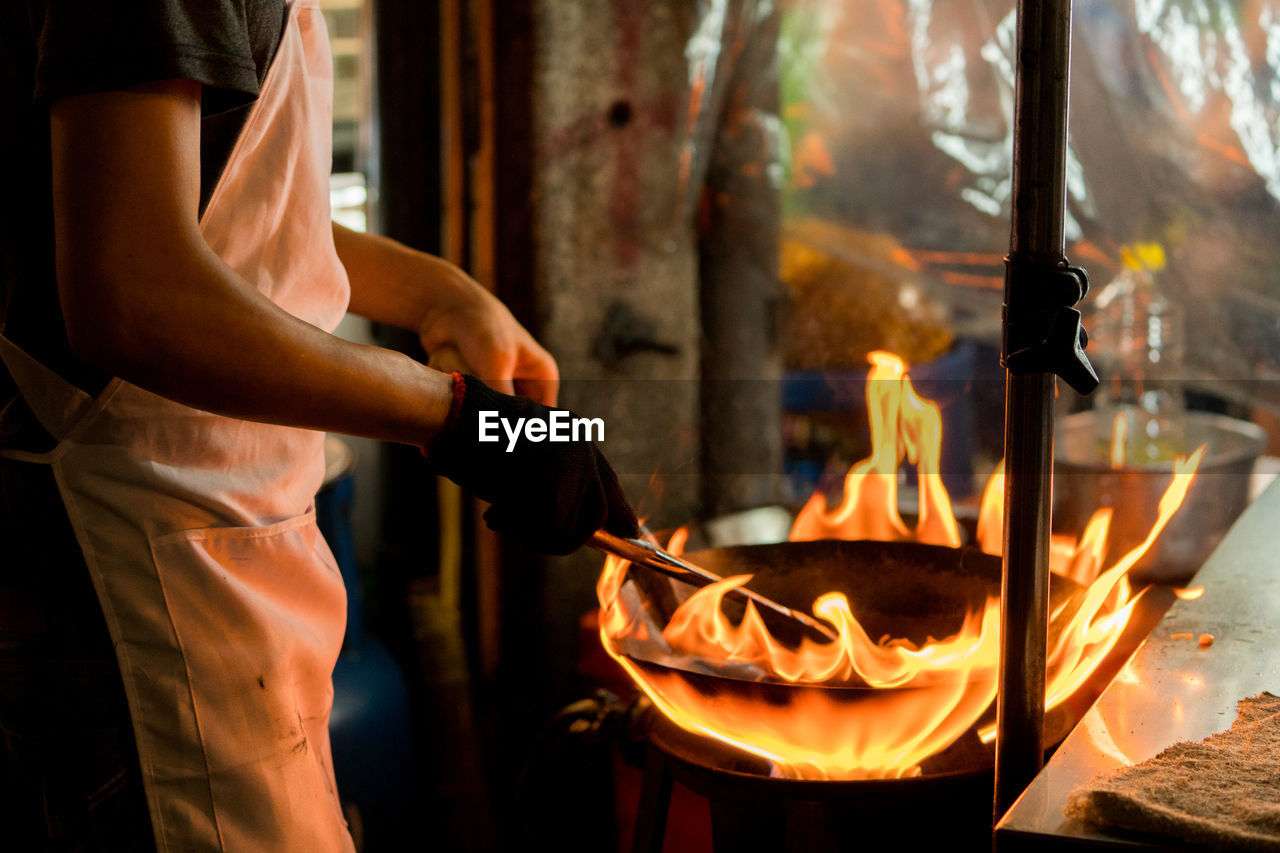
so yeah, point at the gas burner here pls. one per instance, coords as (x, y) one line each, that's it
(950, 803)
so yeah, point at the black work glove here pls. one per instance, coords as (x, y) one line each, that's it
(548, 495)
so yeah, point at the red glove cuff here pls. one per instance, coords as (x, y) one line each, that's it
(455, 405)
(457, 391)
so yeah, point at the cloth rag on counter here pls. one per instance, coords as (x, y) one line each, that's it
(1223, 792)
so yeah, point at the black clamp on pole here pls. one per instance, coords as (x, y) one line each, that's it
(1043, 333)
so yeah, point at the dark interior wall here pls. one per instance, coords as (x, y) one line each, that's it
(484, 674)
(406, 192)
(425, 631)
(405, 163)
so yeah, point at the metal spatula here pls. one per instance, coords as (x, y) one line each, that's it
(647, 554)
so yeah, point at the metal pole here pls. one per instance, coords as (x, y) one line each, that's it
(1037, 237)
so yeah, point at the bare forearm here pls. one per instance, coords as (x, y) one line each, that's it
(391, 283)
(209, 340)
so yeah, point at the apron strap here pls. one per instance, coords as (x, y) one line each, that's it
(57, 404)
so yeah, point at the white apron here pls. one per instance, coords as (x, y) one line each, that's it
(223, 601)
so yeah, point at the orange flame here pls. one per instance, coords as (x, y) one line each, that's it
(871, 733)
(991, 513)
(900, 702)
(903, 424)
(1119, 427)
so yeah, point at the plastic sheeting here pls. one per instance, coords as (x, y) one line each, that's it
(897, 161)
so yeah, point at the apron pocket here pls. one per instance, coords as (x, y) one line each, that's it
(259, 614)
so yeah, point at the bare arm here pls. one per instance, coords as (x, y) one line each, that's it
(146, 299)
(393, 284)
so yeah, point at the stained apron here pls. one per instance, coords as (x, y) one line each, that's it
(224, 603)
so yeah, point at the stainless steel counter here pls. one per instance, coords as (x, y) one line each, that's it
(1172, 689)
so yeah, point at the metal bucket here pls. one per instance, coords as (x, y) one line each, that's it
(1085, 481)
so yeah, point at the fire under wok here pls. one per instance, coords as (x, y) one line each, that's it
(735, 715)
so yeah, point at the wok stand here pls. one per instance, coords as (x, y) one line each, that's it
(751, 810)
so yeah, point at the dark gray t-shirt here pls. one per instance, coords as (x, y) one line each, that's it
(55, 48)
